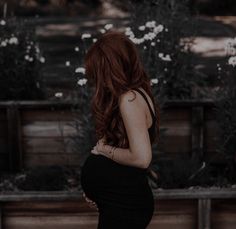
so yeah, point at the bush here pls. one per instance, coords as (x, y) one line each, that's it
(44, 178)
(20, 60)
(167, 57)
(226, 119)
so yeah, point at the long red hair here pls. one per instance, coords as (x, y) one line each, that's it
(113, 66)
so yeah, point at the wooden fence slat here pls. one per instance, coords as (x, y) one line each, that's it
(4, 159)
(208, 214)
(3, 145)
(180, 128)
(180, 114)
(197, 132)
(204, 213)
(46, 115)
(2, 114)
(200, 214)
(48, 129)
(49, 145)
(179, 144)
(1, 224)
(3, 127)
(14, 138)
(72, 159)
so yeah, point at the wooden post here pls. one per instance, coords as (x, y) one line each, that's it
(204, 213)
(197, 132)
(14, 138)
(1, 224)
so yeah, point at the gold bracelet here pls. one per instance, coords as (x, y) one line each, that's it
(113, 153)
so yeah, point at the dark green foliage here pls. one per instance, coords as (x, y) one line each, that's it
(184, 172)
(44, 178)
(226, 119)
(216, 7)
(19, 77)
(180, 173)
(178, 78)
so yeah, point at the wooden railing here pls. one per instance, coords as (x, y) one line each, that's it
(215, 208)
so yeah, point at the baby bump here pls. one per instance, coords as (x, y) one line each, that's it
(100, 170)
(110, 183)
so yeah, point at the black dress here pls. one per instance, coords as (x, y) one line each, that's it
(122, 193)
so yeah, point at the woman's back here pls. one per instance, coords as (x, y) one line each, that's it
(120, 191)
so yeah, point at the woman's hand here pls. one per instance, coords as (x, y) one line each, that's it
(90, 202)
(99, 148)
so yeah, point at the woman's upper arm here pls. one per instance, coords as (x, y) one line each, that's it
(134, 118)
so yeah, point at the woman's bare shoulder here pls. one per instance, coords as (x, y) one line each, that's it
(128, 96)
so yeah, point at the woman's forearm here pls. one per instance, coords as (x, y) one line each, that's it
(123, 156)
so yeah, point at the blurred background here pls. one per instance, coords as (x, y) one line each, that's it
(188, 49)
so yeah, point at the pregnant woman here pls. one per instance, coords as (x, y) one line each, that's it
(114, 176)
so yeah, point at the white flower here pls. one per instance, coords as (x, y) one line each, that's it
(81, 82)
(2, 22)
(166, 30)
(108, 26)
(158, 29)
(37, 49)
(94, 40)
(67, 63)
(154, 81)
(13, 40)
(230, 48)
(58, 94)
(80, 70)
(127, 29)
(102, 30)
(137, 41)
(142, 27)
(232, 61)
(77, 49)
(153, 43)
(129, 33)
(31, 59)
(149, 36)
(144, 47)
(85, 35)
(231, 41)
(27, 57)
(131, 36)
(146, 37)
(150, 24)
(164, 58)
(42, 59)
(3, 44)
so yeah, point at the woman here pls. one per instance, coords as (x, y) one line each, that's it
(114, 176)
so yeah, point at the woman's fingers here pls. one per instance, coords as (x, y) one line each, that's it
(90, 202)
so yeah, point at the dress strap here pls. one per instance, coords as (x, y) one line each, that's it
(144, 96)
